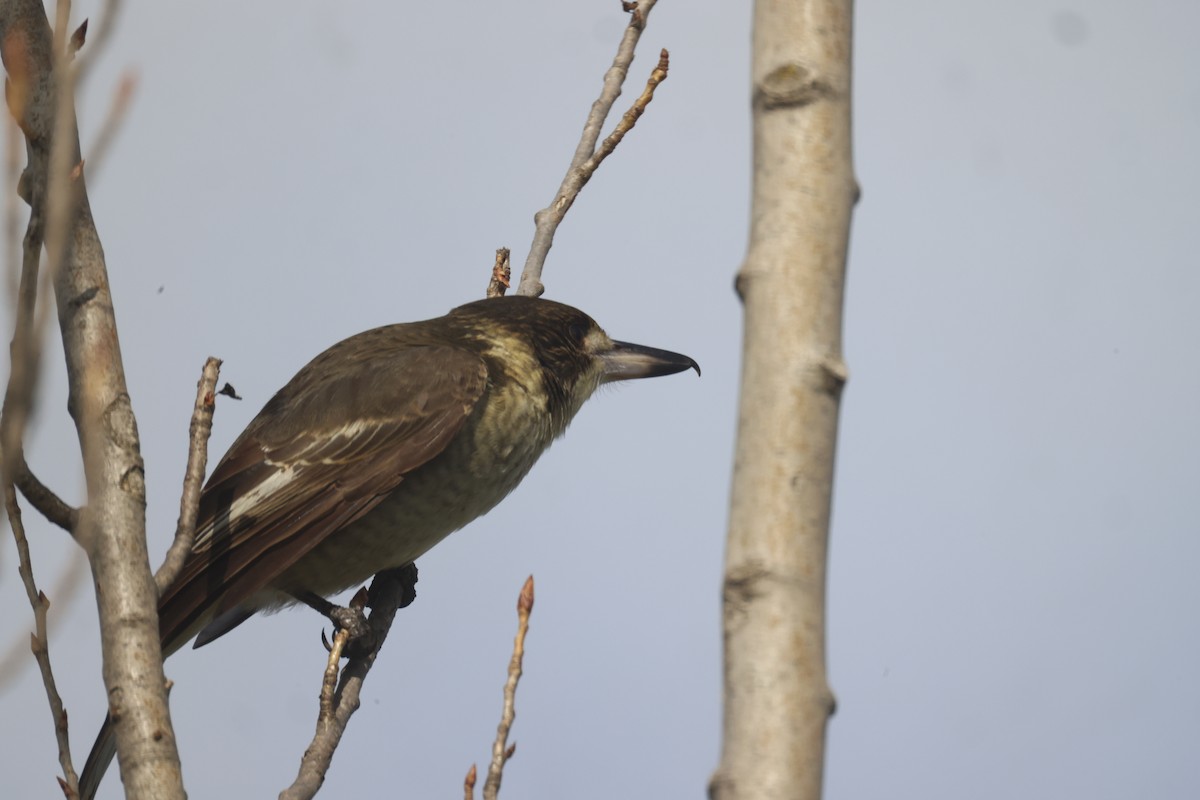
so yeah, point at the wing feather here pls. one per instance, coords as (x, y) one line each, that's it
(328, 448)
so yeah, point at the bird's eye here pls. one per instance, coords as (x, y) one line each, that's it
(577, 332)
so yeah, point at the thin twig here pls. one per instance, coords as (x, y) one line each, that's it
(62, 17)
(100, 36)
(501, 750)
(13, 210)
(14, 415)
(193, 476)
(547, 220)
(118, 110)
(18, 395)
(33, 320)
(29, 331)
(40, 640)
(64, 187)
(390, 590)
(501, 274)
(65, 592)
(630, 117)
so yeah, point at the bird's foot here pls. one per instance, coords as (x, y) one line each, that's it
(400, 586)
(352, 619)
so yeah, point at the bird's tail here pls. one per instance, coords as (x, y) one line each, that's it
(98, 760)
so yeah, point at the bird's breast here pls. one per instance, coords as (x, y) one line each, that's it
(508, 430)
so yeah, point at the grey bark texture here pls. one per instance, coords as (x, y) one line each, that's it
(112, 526)
(777, 697)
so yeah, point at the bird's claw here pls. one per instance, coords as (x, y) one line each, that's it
(353, 620)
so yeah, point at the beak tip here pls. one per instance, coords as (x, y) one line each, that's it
(626, 361)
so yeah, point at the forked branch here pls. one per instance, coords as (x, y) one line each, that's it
(587, 158)
(112, 527)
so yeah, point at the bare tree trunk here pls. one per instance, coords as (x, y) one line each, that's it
(112, 528)
(777, 698)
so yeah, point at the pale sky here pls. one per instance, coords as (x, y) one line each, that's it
(1015, 537)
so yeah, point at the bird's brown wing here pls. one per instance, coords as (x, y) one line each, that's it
(326, 450)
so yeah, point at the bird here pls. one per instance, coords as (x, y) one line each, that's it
(375, 451)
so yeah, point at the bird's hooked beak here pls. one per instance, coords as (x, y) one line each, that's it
(626, 361)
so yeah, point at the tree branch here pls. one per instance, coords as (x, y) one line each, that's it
(501, 750)
(40, 641)
(629, 118)
(390, 590)
(112, 526)
(64, 591)
(547, 220)
(777, 698)
(193, 477)
(41, 497)
(14, 415)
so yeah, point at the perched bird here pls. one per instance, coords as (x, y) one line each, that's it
(377, 450)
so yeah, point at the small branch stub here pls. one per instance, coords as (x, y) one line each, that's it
(525, 602)
(501, 274)
(77, 40)
(636, 18)
(469, 784)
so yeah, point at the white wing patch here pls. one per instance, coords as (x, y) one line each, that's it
(252, 499)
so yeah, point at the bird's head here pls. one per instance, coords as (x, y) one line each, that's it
(562, 349)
